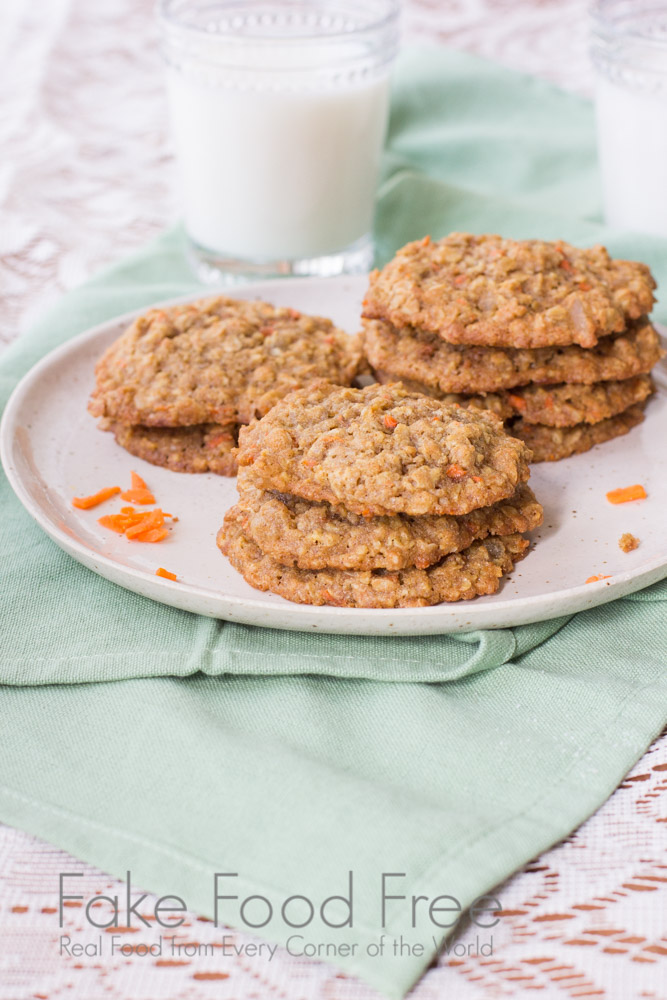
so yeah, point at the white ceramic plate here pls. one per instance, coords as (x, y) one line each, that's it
(52, 450)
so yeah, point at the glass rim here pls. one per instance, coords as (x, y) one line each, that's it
(168, 18)
(614, 27)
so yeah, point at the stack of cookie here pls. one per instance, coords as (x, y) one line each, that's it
(378, 498)
(553, 338)
(176, 386)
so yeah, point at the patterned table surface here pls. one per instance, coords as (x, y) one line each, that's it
(86, 177)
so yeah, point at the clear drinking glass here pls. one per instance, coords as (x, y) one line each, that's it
(279, 111)
(629, 51)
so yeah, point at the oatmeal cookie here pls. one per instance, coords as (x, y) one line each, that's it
(218, 361)
(553, 405)
(203, 448)
(509, 293)
(549, 444)
(381, 450)
(426, 358)
(312, 535)
(458, 577)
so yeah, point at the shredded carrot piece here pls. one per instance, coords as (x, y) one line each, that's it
(566, 265)
(115, 522)
(217, 439)
(84, 503)
(518, 402)
(153, 520)
(137, 525)
(455, 472)
(625, 493)
(598, 576)
(154, 535)
(460, 279)
(165, 573)
(390, 422)
(138, 496)
(138, 492)
(137, 482)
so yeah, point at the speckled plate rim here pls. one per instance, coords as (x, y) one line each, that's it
(274, 612)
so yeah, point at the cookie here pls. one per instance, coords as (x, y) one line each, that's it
(217, 361)
(509, 293)
(381, 450)
(549, 444)
(203, 448)
(553, 405)
(458, 577)
(428, 359)
(311, 535)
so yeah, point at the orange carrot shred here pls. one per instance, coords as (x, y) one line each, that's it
(455, 472)
(84, 503)
(138, 525)
(165, 573)
(390, 422)
(625, 493)
(518, 402)
(116, 522)
(154, 520)
(138, 496)
(154, 535)
(598, 576)
(137, 482)
(138, 492)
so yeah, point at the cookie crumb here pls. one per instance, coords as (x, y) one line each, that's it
(627, 542)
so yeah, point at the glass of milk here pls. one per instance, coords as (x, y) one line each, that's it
(629, 51)
(279, 111)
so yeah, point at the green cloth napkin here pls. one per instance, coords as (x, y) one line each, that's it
(144, 738)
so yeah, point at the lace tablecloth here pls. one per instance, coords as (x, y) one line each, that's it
(86, 177)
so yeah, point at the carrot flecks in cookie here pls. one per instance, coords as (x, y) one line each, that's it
(499, 292)
(406, 471)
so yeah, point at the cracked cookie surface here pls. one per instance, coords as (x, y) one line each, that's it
(509, 293)
(381, 450)
(219, 361)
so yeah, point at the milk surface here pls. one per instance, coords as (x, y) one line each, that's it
(273, 174)
(632, 143)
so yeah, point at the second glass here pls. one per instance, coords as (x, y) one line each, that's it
(279, 112)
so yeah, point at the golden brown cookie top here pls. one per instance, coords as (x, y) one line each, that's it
(217, 360)
(382, 450)
(509, 293)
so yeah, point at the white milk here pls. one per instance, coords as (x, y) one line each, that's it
(270, 174)
(632, 142)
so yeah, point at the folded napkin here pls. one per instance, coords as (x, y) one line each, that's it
(145, 738)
